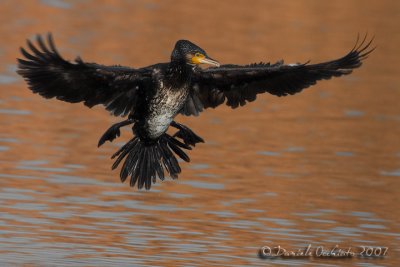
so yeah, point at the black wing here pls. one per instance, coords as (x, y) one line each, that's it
(49, 75)
(240, 84)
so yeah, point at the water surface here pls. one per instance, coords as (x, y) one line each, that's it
(319, 168)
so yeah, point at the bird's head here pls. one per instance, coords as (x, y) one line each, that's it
(188, 52)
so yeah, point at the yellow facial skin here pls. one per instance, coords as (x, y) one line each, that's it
(199, 58)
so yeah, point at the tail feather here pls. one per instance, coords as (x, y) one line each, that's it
(158, 166)
(170, 162)
(145, 161)
(121, 153)
(179, 152)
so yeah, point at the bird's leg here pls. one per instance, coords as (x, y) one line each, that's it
(187, 135)
(113, 132)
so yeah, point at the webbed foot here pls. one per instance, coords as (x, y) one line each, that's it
(113, 132)
(187, 135)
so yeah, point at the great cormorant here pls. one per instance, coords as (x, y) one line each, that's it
(152, 96)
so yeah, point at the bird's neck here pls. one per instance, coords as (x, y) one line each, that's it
(179, 74)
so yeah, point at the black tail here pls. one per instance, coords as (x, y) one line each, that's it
(146, 161)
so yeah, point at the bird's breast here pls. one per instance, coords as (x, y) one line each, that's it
(163, 107)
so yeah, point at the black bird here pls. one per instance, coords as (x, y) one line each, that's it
(152, 96)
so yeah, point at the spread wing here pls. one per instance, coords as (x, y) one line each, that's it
(49, 75)
(237, 85)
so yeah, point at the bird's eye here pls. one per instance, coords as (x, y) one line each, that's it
(198, 54)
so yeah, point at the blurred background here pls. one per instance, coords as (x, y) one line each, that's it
(321, 167)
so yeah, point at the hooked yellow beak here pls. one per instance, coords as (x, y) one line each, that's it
(202, 59)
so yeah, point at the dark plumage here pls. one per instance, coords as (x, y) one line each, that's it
(152, 96)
